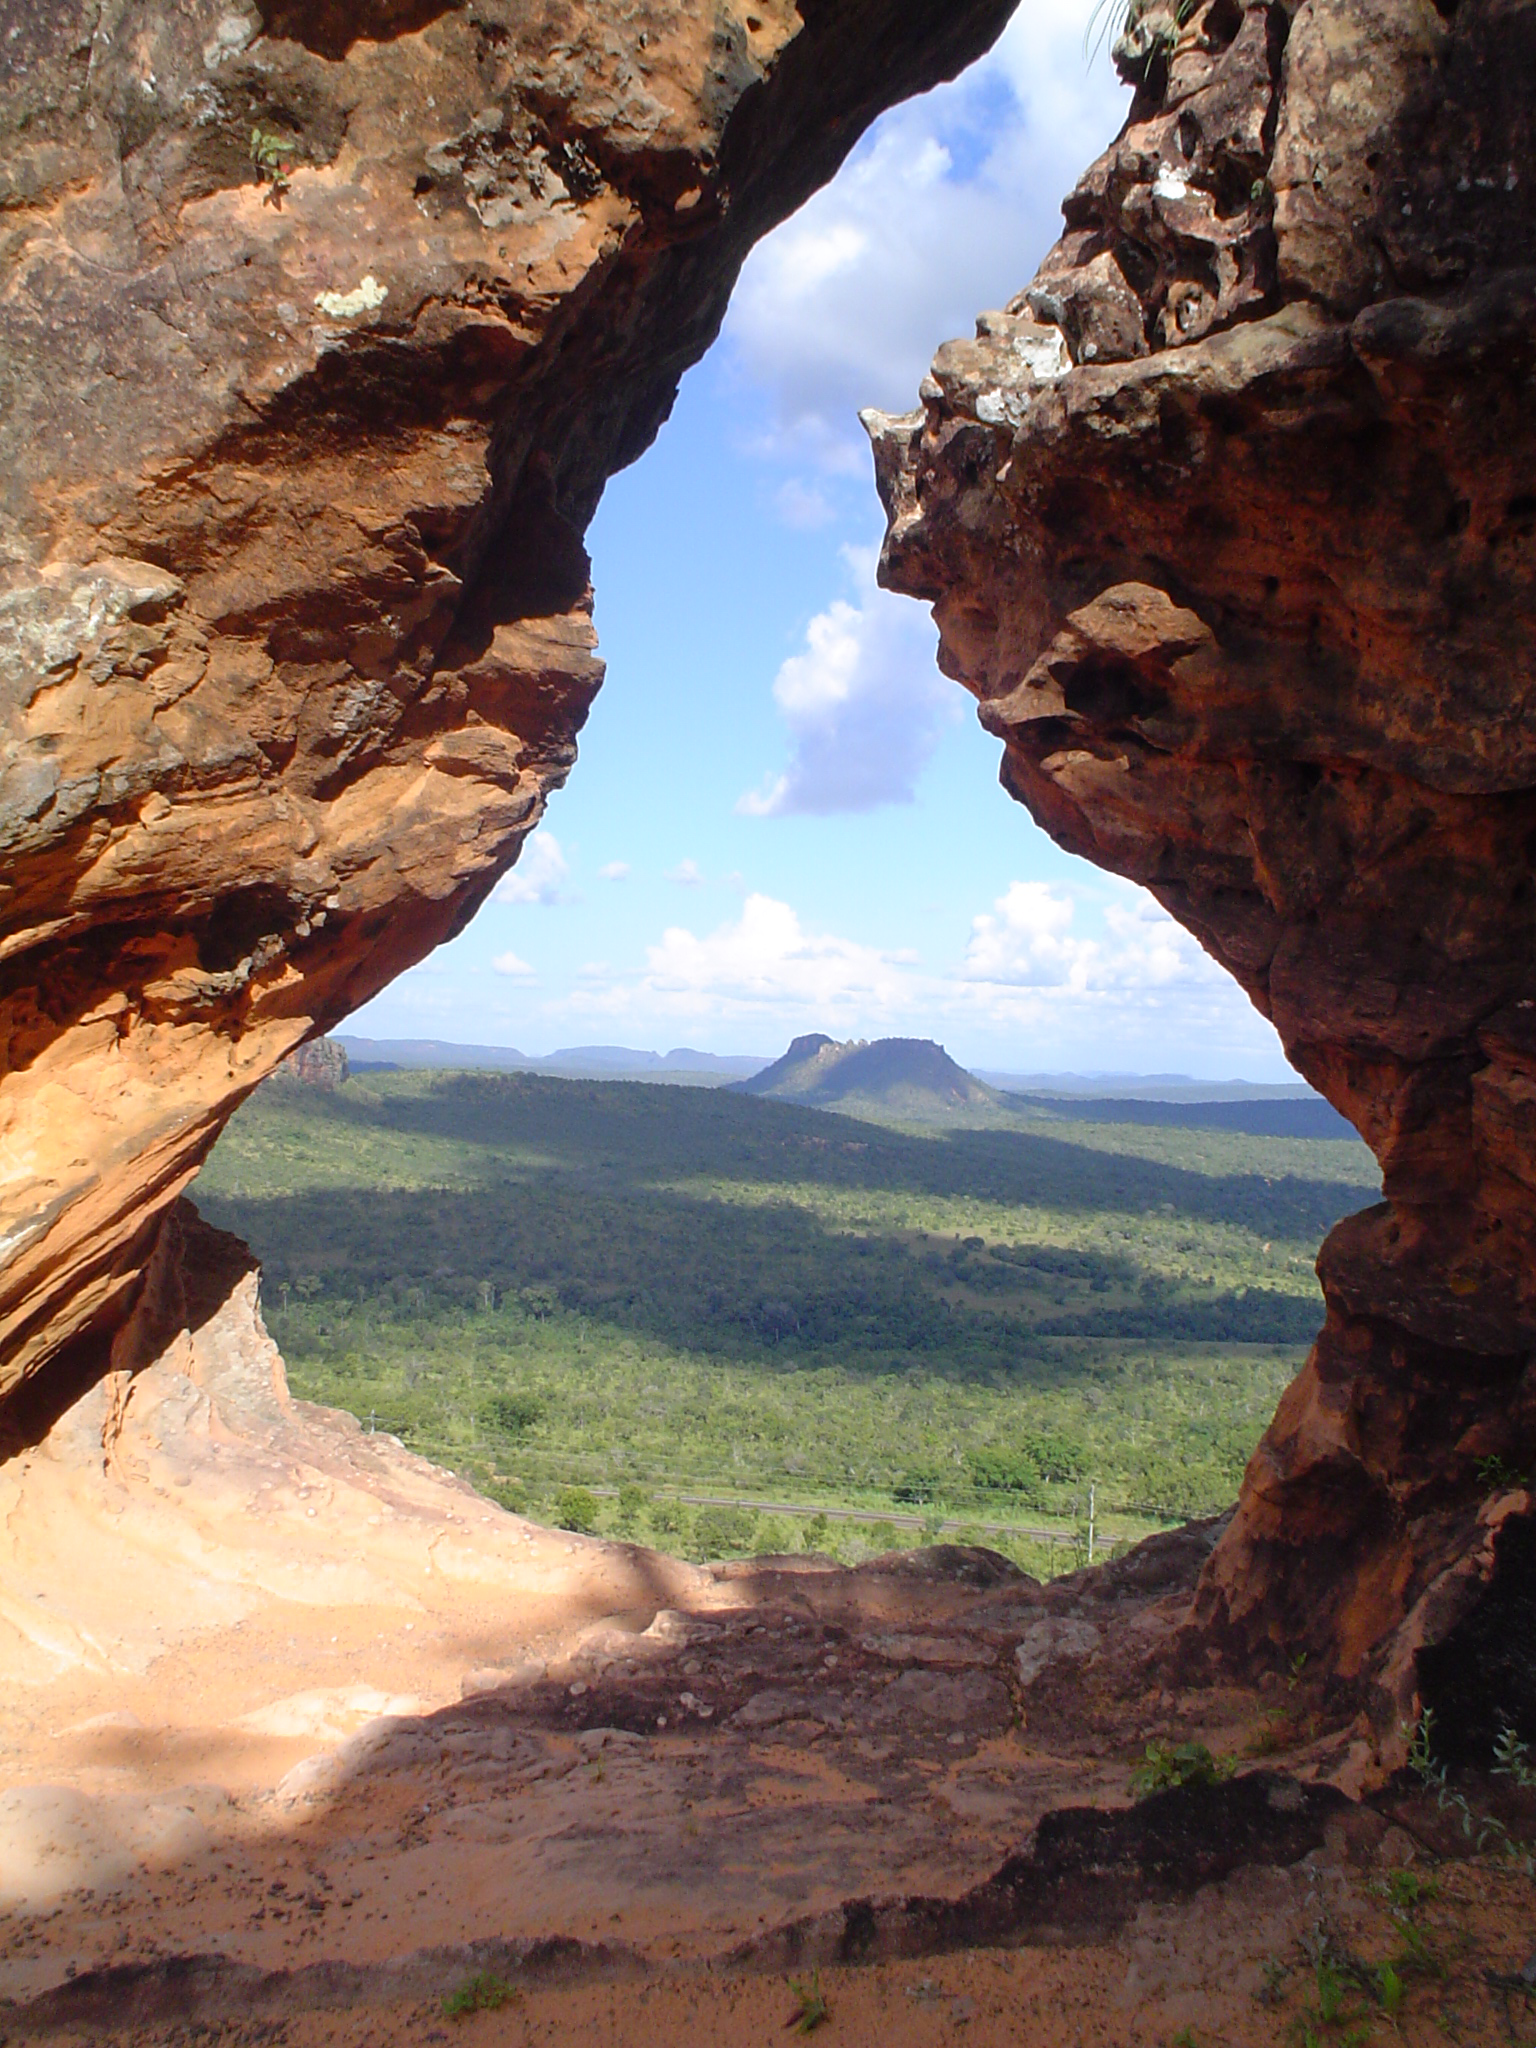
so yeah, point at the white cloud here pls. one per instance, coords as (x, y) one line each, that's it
(944, 210)
(864, 704)
(509, 963)
(614, 871)
(1027, 941)
(540, 874)
(761, 964)
(687, 872)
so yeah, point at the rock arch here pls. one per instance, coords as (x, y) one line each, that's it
(323, 330)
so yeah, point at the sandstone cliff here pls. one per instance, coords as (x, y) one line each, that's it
(323, 324)
(1228, 522)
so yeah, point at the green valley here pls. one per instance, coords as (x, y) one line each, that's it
(716, 1322)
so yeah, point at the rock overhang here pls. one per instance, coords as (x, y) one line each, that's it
(323, 330)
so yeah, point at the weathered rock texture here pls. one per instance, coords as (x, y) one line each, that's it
(322, 325)
(319, 1063)
(1229, 522)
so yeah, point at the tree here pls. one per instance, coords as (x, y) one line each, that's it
(513, 1414)
(576, 1509)
(996, 1469)
(920, 1484)
(723, 1532)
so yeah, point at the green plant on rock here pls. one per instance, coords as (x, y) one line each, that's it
(1484, 1830)
(811, 2008)
(1512, 1759)
(1111, 21)
(267, 153)
(1337, 2019)
(1169, 1765)
(1389, 1989)
(484, 1992)
(1495, 1476)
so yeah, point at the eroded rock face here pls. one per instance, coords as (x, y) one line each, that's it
(1228, 521)
(323, 324)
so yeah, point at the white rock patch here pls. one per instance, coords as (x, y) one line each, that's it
(369, 295)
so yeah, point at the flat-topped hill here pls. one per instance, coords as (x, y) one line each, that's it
(903, 1076)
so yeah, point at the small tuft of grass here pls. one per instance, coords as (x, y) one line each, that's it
(1334, 2022)
(1271, 1990)
(1512, 1759)
(1389, 1989)
(484, 1992)
(811, 2008)
(1495, 1476)
(1171, 1764)
(1406, 1890)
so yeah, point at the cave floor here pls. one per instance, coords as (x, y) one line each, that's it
(301, 1738)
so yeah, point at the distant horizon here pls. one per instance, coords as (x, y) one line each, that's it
(984, 1070)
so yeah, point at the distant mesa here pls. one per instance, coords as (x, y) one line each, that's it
(320, 1064)
(904, 1074)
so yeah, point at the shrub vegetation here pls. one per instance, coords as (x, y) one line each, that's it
(592, 1298)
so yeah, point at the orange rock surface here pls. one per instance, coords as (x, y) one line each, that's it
(322, 325)
(1228, 522)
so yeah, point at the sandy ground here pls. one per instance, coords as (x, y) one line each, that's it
(300, 1738)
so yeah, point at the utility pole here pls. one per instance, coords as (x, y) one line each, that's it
(1090, 1522)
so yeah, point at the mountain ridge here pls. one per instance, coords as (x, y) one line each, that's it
(606, 1062)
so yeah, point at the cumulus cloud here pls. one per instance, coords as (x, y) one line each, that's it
(1028, 941)
(540, 875)
(510, 963)
(946, 208)
(687, 872)
(614, 871)
(1134, 991)
(864, 705)
(762, 964)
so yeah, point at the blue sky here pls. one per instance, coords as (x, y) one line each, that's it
(783, 818)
